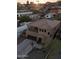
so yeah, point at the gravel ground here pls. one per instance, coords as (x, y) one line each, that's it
(39, 54)
(36, 54)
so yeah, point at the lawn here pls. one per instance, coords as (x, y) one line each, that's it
(55, 49)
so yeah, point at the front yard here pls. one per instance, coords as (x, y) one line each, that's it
(54, 49)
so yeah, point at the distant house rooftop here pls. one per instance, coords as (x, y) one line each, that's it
(23, 11)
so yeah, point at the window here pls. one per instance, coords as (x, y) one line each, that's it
(47, 16)
(54, 15)
(39, 29)
(17, 15)
(44, 30)
(48, 33)
(35, 29)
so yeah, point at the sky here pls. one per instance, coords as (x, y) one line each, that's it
(35, 1)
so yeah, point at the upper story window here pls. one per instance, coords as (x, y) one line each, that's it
(39, 29)
(44, 30)
(48, 33)
(35, 29)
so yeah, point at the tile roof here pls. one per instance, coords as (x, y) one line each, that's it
(45, 23)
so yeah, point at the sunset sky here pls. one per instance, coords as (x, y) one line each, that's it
(35, 1)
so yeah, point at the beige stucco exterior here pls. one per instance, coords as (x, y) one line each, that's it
(45, 33)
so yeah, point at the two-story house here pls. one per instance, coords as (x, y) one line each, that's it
(42, 31)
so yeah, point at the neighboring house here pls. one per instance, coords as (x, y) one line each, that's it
(49, 15)
(21, 11)
(55, 10)
(21, 28)
(42, 31)
(24, 13)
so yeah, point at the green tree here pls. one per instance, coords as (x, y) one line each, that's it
(57, 17)
(36, 11)
(24, 19)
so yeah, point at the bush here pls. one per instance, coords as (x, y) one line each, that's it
(24, 19)
(36, 11)
(57, 17)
